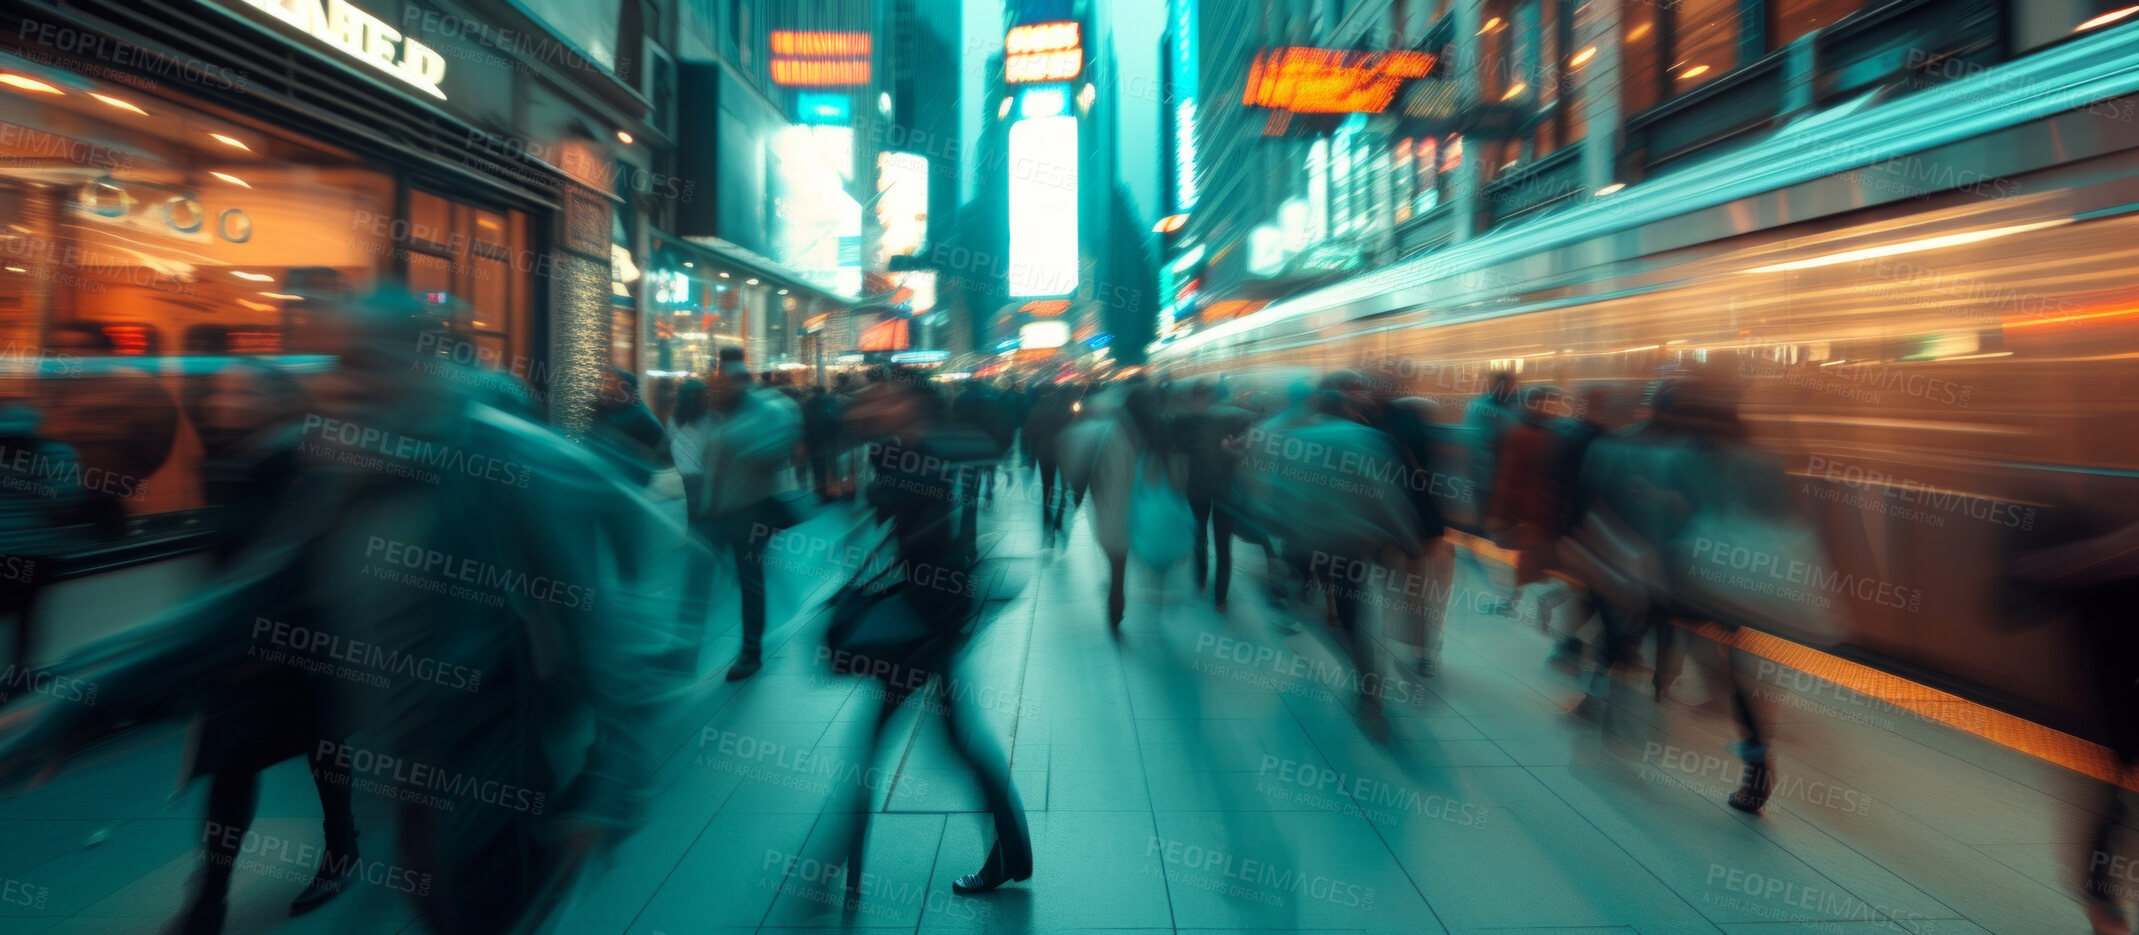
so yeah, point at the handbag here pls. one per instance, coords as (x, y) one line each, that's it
(1770, 573)
(876, 629)
(1612, 560)
(1163, 525)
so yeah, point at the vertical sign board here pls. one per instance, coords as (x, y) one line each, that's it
(1043, 207)
(1184, 89)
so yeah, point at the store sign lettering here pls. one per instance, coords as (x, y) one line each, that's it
(364, 37)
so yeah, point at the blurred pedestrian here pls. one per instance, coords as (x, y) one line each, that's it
(1110, 454)
(1209, 433)
(625, 433)
(920, 453)
(41, 498)
(751, 431)
(248, 418)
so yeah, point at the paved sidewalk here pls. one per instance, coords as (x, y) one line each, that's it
(1201, 772)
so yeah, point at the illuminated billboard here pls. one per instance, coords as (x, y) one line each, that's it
(820, 59)
(1044, 334)
(1043, 52)
(901, 204)
(1184, 96)
(1043, 207)
(1331, 81)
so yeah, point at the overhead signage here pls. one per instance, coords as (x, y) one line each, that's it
(364, 37)
(820, 59)
(1045, 308)
(1185, 73)
(825, 108)
(920, 357)
(1331, 81)
(1043, 52)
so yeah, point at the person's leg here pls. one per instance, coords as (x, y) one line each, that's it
(749, 550)
(231, 798)
(1759, 778)
(1117, 587)
(339, 858)
(1222, 543)
(1200, 508)
(692, 606)
(1010, 858)
(1358, 643)
(1050, 520)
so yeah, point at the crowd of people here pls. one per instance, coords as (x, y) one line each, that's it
(575, 583)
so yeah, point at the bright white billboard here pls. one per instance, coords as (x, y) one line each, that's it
(1043, 207)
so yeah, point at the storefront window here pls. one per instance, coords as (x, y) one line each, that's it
(145, 245)
(1641, 70)
(474, 261)
(1706, 43)
(1793, 19)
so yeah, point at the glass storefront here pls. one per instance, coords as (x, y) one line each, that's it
(148, 244)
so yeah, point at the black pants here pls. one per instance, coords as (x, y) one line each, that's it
(1051, 509)
(974, 746)
(1358, 643)
(741, 536)
(232, 797)
(1213, 522)
(19, 594)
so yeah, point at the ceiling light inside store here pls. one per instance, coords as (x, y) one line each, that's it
(28, 83)
(623, 137)
(115, 102)
(687, 264)
(227, 141)
(1513, 90)
(256, 306)
(724, 275)
(1582, 58)
(1638, 32)
(284, 296)
(1489, 26)
(255, 277)
(2106, 18)
(232, 179)
(752, 282)
(1611, 189)
(783, 292)
(16, 269)
(1694, 72)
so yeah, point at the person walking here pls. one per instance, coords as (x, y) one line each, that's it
(1108, 455)
(248, 418)
(751, 432)
(1209, 434)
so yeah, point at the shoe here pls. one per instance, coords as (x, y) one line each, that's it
(1219, 604)
(1567, 657)
(337, 862)
(2105, 916)
(1424, 667)
(744, 667)
(1752, 794)
(995, 872)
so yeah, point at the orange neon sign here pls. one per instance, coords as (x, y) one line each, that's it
(1043, 52)
(1331, 81)
(820, 59)
(1046, 308)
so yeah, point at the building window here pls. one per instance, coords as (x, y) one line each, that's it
(1641, 68)
(473, 262)
(1704, 42)
(1793, 19)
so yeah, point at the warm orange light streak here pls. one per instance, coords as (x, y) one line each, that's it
(1331, 81)
(2069, 319)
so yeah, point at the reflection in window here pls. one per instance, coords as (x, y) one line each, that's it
(1706, 43)
(1795, 18)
